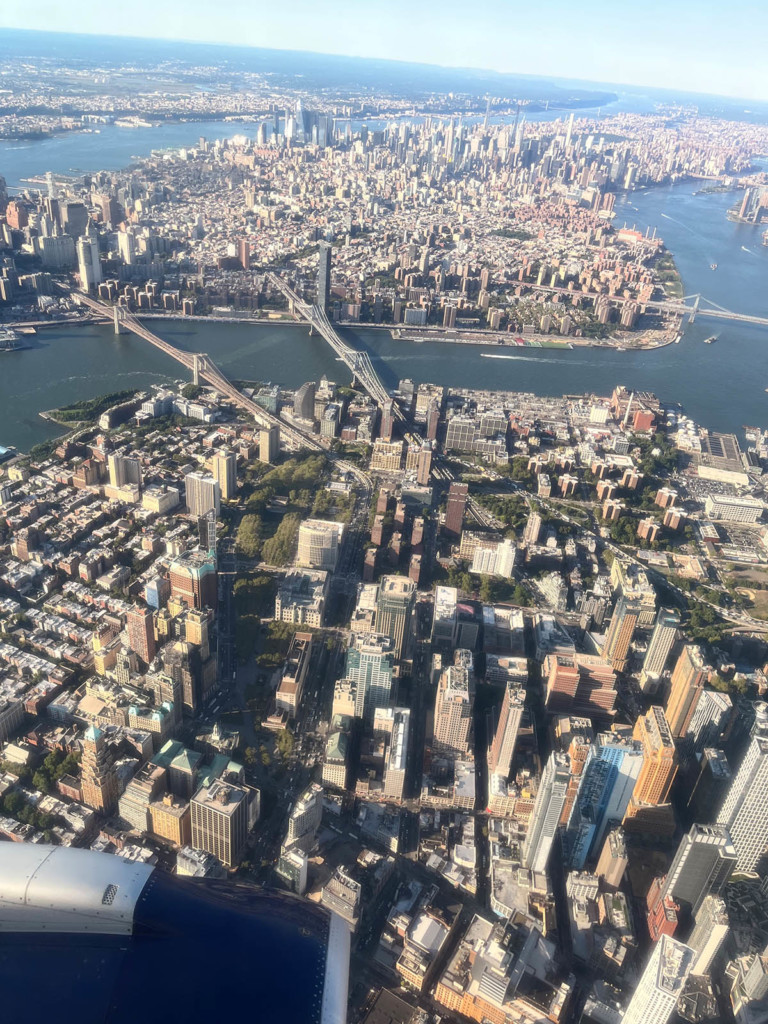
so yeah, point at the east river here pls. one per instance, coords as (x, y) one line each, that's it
(722, 385)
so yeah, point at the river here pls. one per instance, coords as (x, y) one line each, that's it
(721, 386)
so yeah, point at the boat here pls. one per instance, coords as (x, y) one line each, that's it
(711, 339)
(10, 341)
(713, 266)
(678, 337)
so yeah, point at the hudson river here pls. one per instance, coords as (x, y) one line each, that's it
(721, 386)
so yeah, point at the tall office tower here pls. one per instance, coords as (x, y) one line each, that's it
(111, 211)
(745, 810)
(545, 818)
(532, 530)
(657, 774)
(454, 511)
(711, 786)
(196, 631)
(202, 494)
(502, 749)
(88, 262)
(394, 610)
(319, 544)
(387, 427)
(710, 931)
(221, 818)
(193, 579)
(613, 860)
(370, 666)
(141, 633)
(687, 683)
(662, 983)
(126, 246)
(225, 473)
(662, 642)
(304, 401)
(269, 444)
(454, 703)
(99, 781)
(608, 780)
(707, 724)
(123, 470)
(304, 819)
(703, 864)
(324, 275)
(620, 633)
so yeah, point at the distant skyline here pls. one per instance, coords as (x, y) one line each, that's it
(689, 45)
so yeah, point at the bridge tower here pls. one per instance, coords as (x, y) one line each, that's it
(695, 309)
(196, 368)
(116, 315)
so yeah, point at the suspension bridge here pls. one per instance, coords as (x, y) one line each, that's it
(202, 368)
(359, 363)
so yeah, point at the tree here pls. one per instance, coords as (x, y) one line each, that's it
(279, 549)
(248, 541)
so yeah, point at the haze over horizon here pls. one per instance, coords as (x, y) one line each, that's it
(688, 47)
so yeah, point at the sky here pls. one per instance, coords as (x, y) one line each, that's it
(693, 45)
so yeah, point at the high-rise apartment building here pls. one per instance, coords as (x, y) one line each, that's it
(659, 648)
(502, 749)
(324, 251)
(123, 470)
(141, 633)
(620, 633)
(661, 984)
(688, 677)
(454, 510)
(269, 443)
(544, 821)
(394, 611)
(703, 864)
(454, 704)
(745, 809)
(88, 262)
(224, 466)
(370, 666)
(203, 494)
(319, 544)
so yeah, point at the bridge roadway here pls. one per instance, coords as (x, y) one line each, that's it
(358, 362)
(204, 367)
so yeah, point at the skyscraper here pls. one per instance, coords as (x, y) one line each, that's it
(609, 778)
(454, 704)
(225, 473)
(269, 444)
(141, 633)
(221, 818)
(324, 275)
(394, 608)
(202, 494)
(370, 666)
(662, 983)
(703, 864)
(620, 633)
(99, 782)
(745, 810)
(123, 470)
(454, 511)
(662, 641)
(709, 933)
(651, 792)
(502, 749)
(708, 722)
(687, 683)
(88, 262)
(545, 818)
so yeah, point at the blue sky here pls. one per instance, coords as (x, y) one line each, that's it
(697, 45)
